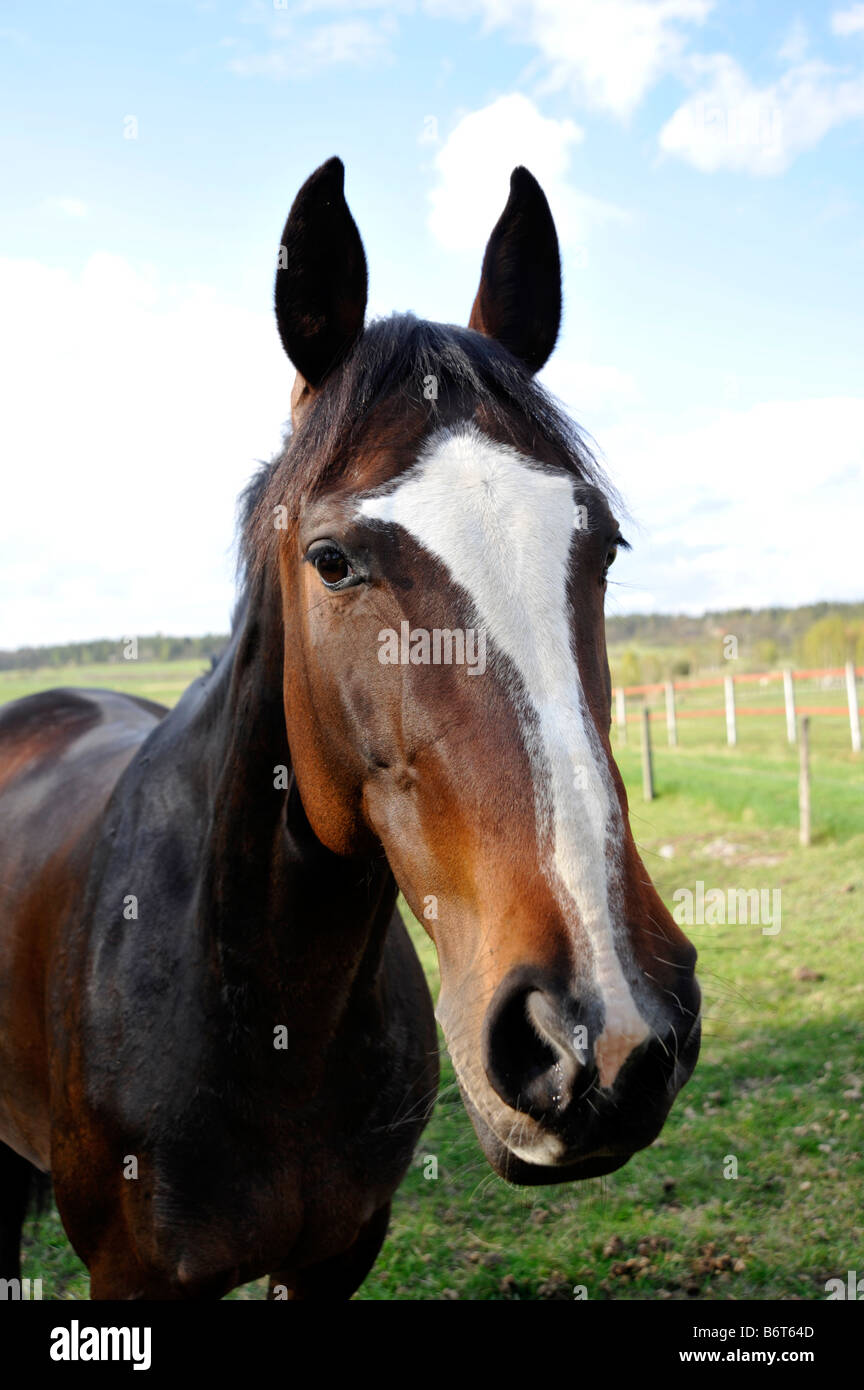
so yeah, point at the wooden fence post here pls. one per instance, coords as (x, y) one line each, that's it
(621, 713)
(731, 729)
(789, 693)
(804, 782)
(647, 768)
(852, 697)
(671, 727)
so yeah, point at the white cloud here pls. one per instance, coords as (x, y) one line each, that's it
(606, 53)
(794, 46)
(133, 414)
(748, 508)
(587, 389)
(351, 42)
(351, 6)
(300, 44)
(846, 22)
(474, 166)
(68, 207)
(732, 124)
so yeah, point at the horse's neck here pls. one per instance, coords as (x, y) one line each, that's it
(289, 919)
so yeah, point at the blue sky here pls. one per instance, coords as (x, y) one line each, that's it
(704, 165)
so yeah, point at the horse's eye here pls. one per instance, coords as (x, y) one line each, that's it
(332, 565)
(617, 543)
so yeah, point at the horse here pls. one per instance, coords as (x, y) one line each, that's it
(215, 1033)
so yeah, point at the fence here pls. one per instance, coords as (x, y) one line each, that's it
(732, 711)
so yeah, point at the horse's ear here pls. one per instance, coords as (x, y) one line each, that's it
(519, 299)
(321, 282)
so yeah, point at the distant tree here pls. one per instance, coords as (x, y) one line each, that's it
(827, 642)
(652, 668)
(767, 652)
(626, 668)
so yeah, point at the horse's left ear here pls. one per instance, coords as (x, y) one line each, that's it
(519, 299)
(321, 282)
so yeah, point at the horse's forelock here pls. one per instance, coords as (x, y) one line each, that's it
(392, 362)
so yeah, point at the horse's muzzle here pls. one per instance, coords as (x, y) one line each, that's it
(538, 1055)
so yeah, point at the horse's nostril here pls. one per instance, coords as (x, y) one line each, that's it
(534, 1049)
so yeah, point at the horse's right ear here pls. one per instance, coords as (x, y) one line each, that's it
(321, 282)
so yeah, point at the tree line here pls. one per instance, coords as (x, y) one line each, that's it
(659, 646)
(157, 647)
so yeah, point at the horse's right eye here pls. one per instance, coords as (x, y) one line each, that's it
(332, 566)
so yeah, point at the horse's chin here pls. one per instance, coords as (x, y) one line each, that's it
(525, 1174)
(524, 1171)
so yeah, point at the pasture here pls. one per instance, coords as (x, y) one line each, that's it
(776, 1096)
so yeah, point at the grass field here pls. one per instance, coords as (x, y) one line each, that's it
(778, 1087)
(163, 681)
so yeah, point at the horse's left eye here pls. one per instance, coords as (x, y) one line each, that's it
(617, 543)
(332, 566)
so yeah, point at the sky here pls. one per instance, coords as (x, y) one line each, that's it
(704, 162)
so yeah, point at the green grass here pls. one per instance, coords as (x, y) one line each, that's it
(163, 681)
(778, 1086)
(756, 783)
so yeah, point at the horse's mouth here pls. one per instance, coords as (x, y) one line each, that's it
(543, 1156)
(519, 1168)
(516, 1170)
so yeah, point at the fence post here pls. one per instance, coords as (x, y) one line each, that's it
(804, 782)
(852, 697)
(671, 727)
(731, 730)
(789, 693)
(621, 713)
(647, 768)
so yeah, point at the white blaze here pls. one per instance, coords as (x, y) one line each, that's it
(503, 527)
